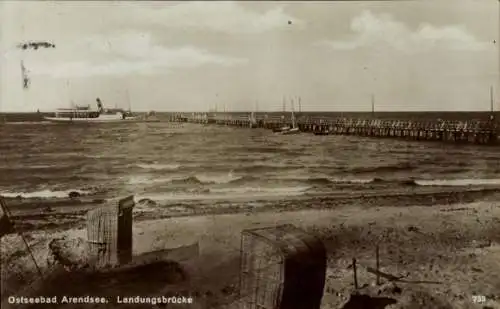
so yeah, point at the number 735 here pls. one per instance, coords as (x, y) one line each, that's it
(478, 299)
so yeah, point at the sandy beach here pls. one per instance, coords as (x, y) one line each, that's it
(446, 251)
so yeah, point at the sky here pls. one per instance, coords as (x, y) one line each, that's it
(246, 56)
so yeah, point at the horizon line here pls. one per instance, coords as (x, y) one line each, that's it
(276, 112)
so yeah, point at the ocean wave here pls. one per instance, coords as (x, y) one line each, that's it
(257, 149)
(27, 122)
(45, 194)
(244, 179)
(319, 180)
(17, 167)
(256, 192)
(403, 166)
(156, 166)
(262, 168)
(273, 150)
(193, 180)
(146, 179)
(34, 179)
(459, 182)
(231, 181)
(328, 180)
(42, 167)
(210, 179)
(225, 193)
(234, 180)
(275, 190)
(219, 179)
(403, 182)
(201, 179)
(439, 182)
(332, 181)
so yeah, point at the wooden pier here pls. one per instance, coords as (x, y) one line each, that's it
(484, 132)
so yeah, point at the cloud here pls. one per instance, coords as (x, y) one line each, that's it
(382, 30)
(125, 53)
(218, 16)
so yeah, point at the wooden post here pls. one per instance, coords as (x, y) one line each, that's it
(124, 242)
(377, 256)
(355, 273)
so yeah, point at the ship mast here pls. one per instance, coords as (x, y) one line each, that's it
(373, 104)
(128, 101)
(492, 109)
(68, 95)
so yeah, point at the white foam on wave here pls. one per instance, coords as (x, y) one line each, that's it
(43, 194)
(218, 178)
(266, 190)
(226, 193)
(161, 197)
(147, 179)
(321, 176)
(158, 166)
(361, 181)
(204, 178)
(458, 182)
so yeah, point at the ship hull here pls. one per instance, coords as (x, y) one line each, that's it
(291, 131)
(91, 120)
(281, 130)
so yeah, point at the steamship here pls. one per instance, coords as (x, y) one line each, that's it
(87, 114)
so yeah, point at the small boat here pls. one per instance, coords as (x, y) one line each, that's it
(291, 131)
(84, 114)
(282, 129)
(294, 129)
(253, 120)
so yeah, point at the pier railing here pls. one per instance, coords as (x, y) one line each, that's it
(472, 131)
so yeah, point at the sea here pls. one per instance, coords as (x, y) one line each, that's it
(167, 161)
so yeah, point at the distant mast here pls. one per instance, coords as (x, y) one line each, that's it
(373, 104)
(68, 95)
(491, 100)
(128, 101)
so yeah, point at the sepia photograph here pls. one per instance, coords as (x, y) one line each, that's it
(250, 154)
